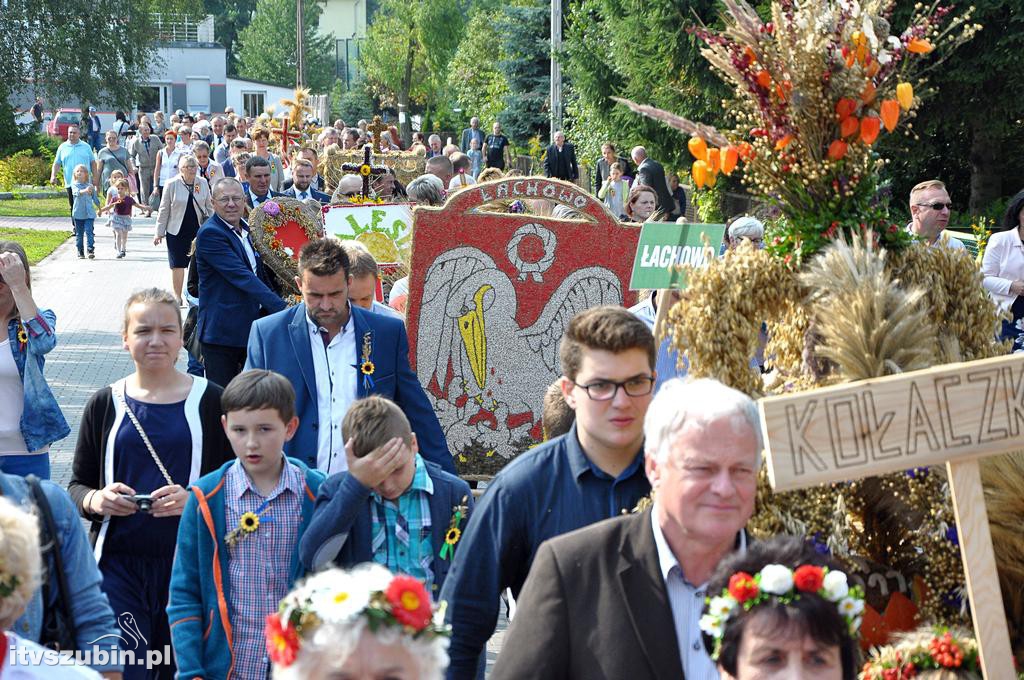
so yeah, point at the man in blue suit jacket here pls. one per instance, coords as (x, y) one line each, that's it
(334, 353)
(301, 184)
(233, 284)
(257, 189)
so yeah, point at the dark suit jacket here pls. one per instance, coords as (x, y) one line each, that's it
(594, 607)
(651, 173)
(317, 183)
(323, 198)
(561, 164)
(248, 197)
(232, 295)
(280, 342)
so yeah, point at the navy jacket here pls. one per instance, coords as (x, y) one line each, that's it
(248, 198)
(544, 492)
(228, 167)
(232, 295)
(280, 342)
(323, 198)
(342, 521)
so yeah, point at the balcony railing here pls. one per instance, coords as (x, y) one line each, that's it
(183, 28)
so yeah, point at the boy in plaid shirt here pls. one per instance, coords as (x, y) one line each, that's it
(391, 506)
(237, 553)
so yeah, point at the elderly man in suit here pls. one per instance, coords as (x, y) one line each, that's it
(234, 286)
(560, 161)
(334, 352)
(649, 172)
(622, 599)
(143, 151)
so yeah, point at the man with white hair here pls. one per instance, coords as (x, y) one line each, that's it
(644, 576)
(434, 143)
(745, 228)
(560, 161)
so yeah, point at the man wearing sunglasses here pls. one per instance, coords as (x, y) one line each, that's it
(929, 213)
(592, 473)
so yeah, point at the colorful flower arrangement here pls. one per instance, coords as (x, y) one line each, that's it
(776, 583)
(280, 227)
(341, 598)
(812, 91)
(937, 649)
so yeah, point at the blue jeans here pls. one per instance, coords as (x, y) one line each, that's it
(37, 464)
(84, 228)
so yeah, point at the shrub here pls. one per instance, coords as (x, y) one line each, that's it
(24, 168)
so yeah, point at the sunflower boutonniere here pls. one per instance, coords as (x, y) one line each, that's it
(248, 523)
(22, 336)
(454, 533)
(366, 366)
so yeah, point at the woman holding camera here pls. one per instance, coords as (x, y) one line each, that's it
(142, 442)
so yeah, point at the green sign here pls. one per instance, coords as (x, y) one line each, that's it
(664, 249)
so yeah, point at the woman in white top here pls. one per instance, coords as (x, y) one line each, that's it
(166, 167)
(1003, 267)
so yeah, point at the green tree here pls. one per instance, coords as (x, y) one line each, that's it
(639, 51)
(93, 50)
(353, 104)
(407, 52)
(477, 84)
(525, 59)
(267, 46)
(230, 17)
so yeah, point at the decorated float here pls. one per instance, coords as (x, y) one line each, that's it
(849, 295)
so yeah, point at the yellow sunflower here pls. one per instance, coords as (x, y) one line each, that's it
(453, 536)
(22, 334)
(367, 368)
(365, 170)
(249, 522)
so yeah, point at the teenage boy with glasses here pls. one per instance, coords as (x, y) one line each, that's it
(592, 473)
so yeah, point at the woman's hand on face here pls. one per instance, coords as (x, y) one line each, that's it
(169, 501)
(12, 270)
(110, 501)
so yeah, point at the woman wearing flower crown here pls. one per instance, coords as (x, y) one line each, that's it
(782, 611)
(359, 625)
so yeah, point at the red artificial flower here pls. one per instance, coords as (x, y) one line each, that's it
(742, 586)
(808, 578)
(282, 642)
(409, 601)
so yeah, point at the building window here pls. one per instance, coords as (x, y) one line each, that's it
(252, 102)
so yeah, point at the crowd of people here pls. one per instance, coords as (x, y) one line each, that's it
(289, 506)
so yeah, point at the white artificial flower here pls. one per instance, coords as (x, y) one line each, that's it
(711, 625)
(835, 586)
(291, 253)
(850, 606)
(721, 606)
(343, 602)
(776, 579)
(884, 58)
(868, 28)
(372, 577)
(894, 41)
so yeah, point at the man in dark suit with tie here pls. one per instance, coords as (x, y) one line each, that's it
(560, 161)
(649, 172)
(335, 352)
(623, 598)
(234, 286)
(302, 173)
(317, 181)
(257, 189)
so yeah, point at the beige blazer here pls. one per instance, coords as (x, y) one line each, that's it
(140, 156)
(174, 201)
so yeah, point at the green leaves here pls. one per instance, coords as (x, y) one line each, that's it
(266, 49)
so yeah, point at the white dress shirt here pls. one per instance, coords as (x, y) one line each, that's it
(246, 246)
(335, 367)
(687, 602)
(1002, 265)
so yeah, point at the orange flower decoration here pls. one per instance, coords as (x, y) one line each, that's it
(837, 150)
(783, 143)
(742, 587)
(849, 126)
(410, 603)
(919, 46)
(869, 128)
(890, 112)
(282, 641)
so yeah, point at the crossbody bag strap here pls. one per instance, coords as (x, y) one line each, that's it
(53, 541)
(145, 439)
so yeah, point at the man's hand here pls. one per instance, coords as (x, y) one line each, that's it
(376, 466)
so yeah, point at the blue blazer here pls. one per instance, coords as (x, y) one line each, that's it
(248, 199)
(324, 199)
(231, 295)
(340, 531)
(280, 342)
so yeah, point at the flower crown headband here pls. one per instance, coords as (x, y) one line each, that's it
(335, 597)
(780, 584)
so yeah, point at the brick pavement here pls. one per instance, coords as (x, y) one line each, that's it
(87, 296)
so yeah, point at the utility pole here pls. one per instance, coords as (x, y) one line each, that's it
(556, 69)
(299, 51)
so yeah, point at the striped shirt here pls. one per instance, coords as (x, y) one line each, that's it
(401, 529)
(259, 566)
(687, 603)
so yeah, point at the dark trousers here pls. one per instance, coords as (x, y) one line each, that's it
(137, 588)
(222, 362)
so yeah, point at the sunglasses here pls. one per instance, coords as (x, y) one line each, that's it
(936, 206)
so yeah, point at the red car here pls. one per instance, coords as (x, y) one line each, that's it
(62, 118)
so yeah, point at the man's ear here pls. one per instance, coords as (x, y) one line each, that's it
(567, 394)
(290, 427)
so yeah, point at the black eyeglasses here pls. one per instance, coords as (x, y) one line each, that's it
(936, 206)
(604, 390)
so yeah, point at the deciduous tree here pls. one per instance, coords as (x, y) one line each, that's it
(266, 48)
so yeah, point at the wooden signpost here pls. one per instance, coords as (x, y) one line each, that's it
(953, 414)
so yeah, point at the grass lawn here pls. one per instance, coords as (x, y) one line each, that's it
(35, 207)
(37, 242)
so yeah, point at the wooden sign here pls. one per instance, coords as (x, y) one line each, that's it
(952, 414)
(490, 296)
